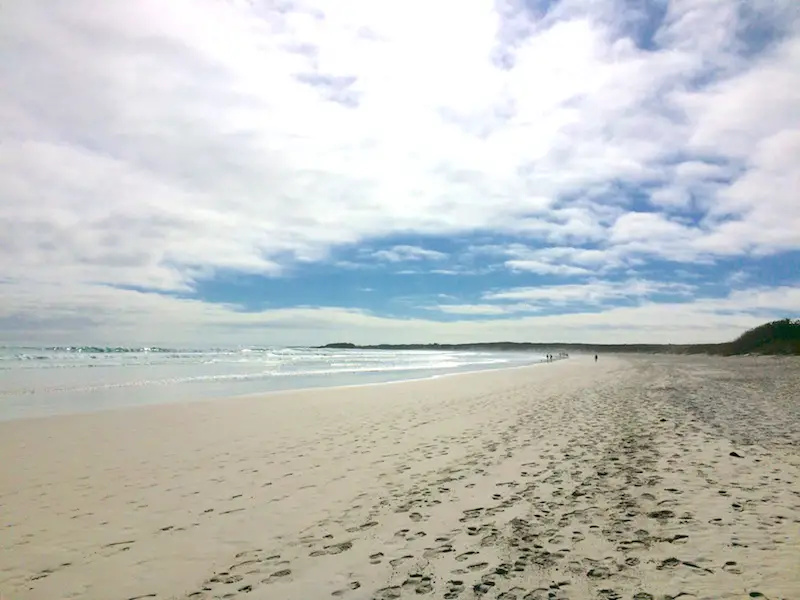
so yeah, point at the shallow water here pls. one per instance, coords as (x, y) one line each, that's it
(47, 381)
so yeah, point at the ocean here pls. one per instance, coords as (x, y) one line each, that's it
(38, 382)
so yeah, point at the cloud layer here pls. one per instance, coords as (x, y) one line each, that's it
(559, 152)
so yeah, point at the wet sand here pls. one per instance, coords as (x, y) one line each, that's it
(636, 477)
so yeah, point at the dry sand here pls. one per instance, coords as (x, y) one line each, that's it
(634, 478)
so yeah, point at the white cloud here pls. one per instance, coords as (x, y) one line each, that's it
(695, 169)
(471, 309)
(555, 260)
(408, 253)
(594, 292)
(105, 315)
(589, 257)
(152, 145)
(640, 233)
(544, 268)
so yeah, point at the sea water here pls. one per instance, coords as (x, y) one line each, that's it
(61, 380)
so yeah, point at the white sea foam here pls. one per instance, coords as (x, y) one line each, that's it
(42, 381)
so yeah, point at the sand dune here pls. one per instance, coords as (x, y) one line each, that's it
(633, 478)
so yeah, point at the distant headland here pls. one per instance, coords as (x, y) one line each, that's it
(776, 337)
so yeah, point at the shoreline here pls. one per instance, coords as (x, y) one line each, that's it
(269, 393)
(630, 478)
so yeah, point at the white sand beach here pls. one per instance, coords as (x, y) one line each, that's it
(633, 478)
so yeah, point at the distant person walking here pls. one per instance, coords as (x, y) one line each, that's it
(595, 358)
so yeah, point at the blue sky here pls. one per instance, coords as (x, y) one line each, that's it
(235, 173)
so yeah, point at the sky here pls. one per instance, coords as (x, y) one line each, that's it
(209, 172)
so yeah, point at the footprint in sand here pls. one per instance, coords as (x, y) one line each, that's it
(388, 593)
(490, 539)
(245, 563)
(484, 587)
(661, 515)
(225, 578)
(539, 594)
(598, 573)
(420, 584)
(249, 553)
(466, 555)
(732, 567)
(675, 539)
(368, 525)
(454, 588)
(400, 560)
(669, 563)
(339, 548)
(442, 539)
(471, 514)
(353, 585)
(332, 549)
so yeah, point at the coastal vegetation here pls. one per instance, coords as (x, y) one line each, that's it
(776, 337)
